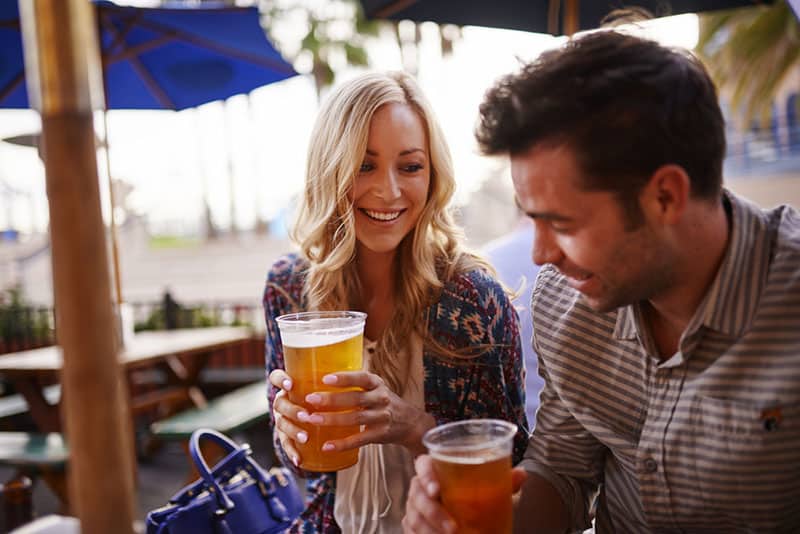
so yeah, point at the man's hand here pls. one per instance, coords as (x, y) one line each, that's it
(424, 512)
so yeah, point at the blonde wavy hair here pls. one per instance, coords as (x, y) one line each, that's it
(325, 228)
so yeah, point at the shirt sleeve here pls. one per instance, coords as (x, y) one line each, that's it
(560, 449)
(281, 295)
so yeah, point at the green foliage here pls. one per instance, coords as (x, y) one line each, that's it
(20, 321)
(188, 317)
(750, 54)
(333, 30)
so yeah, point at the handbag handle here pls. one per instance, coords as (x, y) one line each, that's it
(224, 502)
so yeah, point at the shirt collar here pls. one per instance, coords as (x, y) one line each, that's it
(725, 308)
(732, 300)
(626, 323)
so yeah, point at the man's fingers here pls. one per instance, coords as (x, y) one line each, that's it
(423, 465)
(518, 477)
(424, 514)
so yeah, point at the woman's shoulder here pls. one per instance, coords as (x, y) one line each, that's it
(287, 268)
(285, 280)
(472, 309)
(475, 287)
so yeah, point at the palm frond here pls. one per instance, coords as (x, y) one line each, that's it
(750, 54)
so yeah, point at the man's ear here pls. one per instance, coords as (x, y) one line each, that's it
(665, 197)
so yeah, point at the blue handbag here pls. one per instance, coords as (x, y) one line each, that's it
(237, 496)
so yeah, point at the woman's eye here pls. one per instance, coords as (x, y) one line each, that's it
(413, 167)
(365, 167)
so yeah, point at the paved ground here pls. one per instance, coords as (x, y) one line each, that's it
(160, 476)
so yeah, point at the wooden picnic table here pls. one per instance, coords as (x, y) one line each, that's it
(181, 353)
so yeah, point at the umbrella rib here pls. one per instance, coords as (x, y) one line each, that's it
(137, 65)
(393, 7)
(221, 49)
(151, 84)
(119, 36)
(137, 50)
(12, 85)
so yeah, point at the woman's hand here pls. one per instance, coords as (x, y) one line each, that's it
(286, 414)
(386, 417)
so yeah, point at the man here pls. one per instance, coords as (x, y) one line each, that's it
(667, 321)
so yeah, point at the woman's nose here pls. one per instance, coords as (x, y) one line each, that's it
(388, 186)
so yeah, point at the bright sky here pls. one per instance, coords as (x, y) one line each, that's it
(259, 143)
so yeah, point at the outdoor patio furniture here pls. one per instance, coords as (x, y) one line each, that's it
(230, 413)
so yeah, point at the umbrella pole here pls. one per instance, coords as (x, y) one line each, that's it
(113, 224)
(63, 72)
(572, 17)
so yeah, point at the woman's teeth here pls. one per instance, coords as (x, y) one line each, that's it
(383, 216)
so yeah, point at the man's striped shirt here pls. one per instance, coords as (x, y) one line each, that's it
(707, 440)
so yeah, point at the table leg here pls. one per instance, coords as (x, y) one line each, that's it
(46, 416)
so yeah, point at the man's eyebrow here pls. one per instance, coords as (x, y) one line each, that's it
(548, 215)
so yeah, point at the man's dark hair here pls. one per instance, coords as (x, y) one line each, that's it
(623, 104)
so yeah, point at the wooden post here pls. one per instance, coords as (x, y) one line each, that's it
(65, 84)
(572, 17)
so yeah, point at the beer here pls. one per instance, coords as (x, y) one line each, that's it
(314, 345)
(472, 461)
(477, 492)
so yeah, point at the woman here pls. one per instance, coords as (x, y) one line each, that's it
(441, 337)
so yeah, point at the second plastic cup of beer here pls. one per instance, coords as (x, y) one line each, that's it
(472, 460)
(316, 344)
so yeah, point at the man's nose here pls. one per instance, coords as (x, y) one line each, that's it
(545, 248)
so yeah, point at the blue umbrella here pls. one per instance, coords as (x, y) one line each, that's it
(161, 58)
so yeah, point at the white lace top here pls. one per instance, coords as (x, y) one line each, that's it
(371, 495)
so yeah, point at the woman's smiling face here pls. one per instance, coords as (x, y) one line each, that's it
(391, 188)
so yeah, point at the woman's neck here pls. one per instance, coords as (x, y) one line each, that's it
(376, 272)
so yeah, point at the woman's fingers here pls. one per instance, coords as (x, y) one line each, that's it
(353, 379)
(280, 379)
(378, 417)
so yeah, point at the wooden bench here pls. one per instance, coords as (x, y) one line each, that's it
(230, 413)
(38, 455)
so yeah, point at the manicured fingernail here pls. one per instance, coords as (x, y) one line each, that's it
(287, 384)
(316, 419)
(302, 416)
(330, 379)
(296, 461)
(328, 447)
(313, 398)
(432, 489)
(302, 437)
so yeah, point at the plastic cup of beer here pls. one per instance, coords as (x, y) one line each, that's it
(472, 461)
(316, 344)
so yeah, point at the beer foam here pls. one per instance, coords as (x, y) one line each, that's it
(302, 340)
(472, 458)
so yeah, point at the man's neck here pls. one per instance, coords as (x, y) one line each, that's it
(706, 234)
